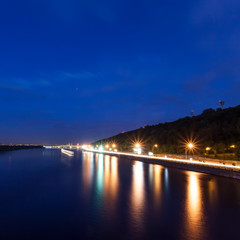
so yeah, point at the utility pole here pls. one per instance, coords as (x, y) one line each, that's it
(221, 103)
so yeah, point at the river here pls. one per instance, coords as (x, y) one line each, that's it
(46, 194)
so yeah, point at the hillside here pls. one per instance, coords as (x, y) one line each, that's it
(216, 130)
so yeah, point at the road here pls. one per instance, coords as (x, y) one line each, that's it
(210, 163)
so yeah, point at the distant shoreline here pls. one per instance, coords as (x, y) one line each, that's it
(5, 148)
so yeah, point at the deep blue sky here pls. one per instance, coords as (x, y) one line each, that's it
(77, 71)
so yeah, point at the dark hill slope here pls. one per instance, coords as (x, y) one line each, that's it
(217, 129)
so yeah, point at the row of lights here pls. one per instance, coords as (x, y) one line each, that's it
(208, 148)
(108, 147)
(111, 147)
(137, 148)
(189, 147)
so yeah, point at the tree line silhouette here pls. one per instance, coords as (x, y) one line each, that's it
(216, 130)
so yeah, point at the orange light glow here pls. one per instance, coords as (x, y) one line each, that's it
(137, 193)
(190, 145)
(138, 145)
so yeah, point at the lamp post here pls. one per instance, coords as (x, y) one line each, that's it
(154, 146)
(207, 150)
(137, 145)
(189, 147)
(138, 148)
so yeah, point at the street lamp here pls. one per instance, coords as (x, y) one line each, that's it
(138, 148)
(137, 145)
(189, 147)
(154, 146)
(207, 150)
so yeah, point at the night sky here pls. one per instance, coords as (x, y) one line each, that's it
(79, 71)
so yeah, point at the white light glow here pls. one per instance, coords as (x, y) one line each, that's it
(67, 152)
(175, 160)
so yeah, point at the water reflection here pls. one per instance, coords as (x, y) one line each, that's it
(150, 169)
(66, 159)
(166, 178)
(155, 179)
(114, 177)
(157, 183)
(194, 213)
(87, 170)
(106, 180)
(110, 182)
(106, 175)
(212, 192)
(100, 169)
(102, 175)
(124, 199)
(137, 195)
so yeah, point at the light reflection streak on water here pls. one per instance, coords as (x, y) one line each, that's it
(212, 187)
(100, 174)
(166, 179)
(106, 175)
(92, 157)
(110, 182)
(157, 183)
(137, 195)
(150, 169)
(106, 170)
(92, 165)
(194, 212)
(114, 179)
(87, 169)
(66, 159)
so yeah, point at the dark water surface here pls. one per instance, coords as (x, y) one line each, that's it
(48, 195)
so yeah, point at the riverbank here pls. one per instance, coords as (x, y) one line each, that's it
(209, 168)
(202, 159)
(4, 148)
